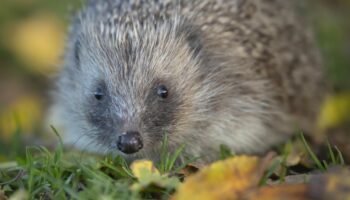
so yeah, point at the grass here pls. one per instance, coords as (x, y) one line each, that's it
(336, 158)
(225, 152)
(279, 166)
(57, 174)
(168, 160)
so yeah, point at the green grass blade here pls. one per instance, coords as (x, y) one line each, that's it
(175, 156)
(331, 153)
(225, 152)
(312, 154)
(164, 153)
(325, 164)
(271, 170)
(340, 156)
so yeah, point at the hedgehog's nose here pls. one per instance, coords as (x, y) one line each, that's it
(130, 142)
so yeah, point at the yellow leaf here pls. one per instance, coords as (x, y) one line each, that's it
(24, 113)
(39, 42)
(148, 175)
(335, 111)
(221, 180)
(140, 166)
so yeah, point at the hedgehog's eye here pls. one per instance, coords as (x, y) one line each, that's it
(99, 94)
(162, 91)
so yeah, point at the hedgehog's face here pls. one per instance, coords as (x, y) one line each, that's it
(130, 118)
(135, 90)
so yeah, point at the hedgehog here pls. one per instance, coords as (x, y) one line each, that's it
(245, 74)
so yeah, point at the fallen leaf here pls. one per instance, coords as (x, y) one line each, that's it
(25, 113)
(281, 192)
(297, 154)
(188, 170)
(19, 195)
(335, 111)
(332, 185)
(147, 175)
(294, 155)
(2, 195)
(141, 167)
(38, 42)
(292, 179)
(221, 180)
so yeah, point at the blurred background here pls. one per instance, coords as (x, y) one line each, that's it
(32, 36)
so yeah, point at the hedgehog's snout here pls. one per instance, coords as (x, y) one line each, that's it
(130, 142)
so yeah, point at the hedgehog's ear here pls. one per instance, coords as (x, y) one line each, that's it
(192, 35)
(194, 40)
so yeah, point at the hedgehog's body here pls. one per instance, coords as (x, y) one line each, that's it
(240, 73)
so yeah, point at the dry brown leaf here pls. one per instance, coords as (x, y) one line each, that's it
(188, 170)
(2, 195)
(281, 192)
(292, 179)
(333, 185)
